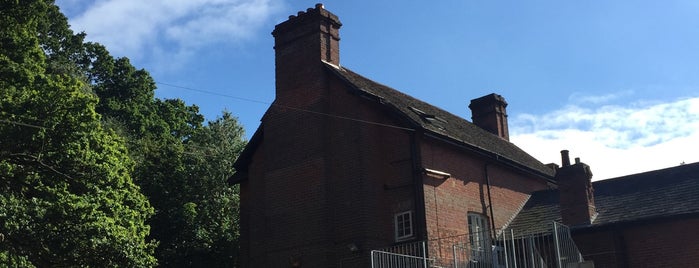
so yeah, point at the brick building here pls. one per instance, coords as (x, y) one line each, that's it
(341, 165)
(649, 219)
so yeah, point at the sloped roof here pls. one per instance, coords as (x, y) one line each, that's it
(443, 123)
(428, 117)
(650, 195)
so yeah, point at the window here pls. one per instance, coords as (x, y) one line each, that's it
(403, 225)
(479, 236)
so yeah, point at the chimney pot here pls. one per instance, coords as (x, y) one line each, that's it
(577, 160)
(320, 6)
(565, 159)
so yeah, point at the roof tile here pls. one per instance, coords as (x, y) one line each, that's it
(649, 195)
(443, 123)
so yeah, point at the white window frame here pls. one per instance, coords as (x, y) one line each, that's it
(479, 236)
(403, 225)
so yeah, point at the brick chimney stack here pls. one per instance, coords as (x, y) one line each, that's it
(301, 44)
(489, 113)
(293, 157)
(575, 192)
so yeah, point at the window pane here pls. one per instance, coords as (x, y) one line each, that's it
(403, 225)
(479, 237)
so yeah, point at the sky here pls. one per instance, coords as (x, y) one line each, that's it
(614, 82)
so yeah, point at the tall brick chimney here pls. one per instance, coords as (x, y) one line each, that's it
(294, 158)
(300, 44)
(489, 113)
(575, 192)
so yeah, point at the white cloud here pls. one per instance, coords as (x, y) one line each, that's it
(580, 98)
(614, 140)
(141, 29)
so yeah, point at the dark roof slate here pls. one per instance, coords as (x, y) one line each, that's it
(443, 123)
(643, 196)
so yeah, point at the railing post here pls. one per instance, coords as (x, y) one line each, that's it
(514, 249)
(530, 249)
(424, 253)
(557, 244)
(456, 261)
(504, 245)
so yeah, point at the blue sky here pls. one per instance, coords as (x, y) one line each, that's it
(614, 82)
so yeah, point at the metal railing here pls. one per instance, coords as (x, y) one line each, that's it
(412, 255)
(552, 248)
(567, 252)
(382, 259)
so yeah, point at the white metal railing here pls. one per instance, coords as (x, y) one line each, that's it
(552, 248)
(412, 255)
(567, 252)
(383, 259)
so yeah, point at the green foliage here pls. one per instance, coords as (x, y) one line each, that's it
(66, 195)
(196, 220)
(181, 165)
(204, 215)
(83, 139)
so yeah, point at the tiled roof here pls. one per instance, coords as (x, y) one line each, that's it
(650, 195)
(443, 123)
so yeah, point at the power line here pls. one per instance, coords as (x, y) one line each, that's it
(210, 148)
(287, 107)
(21, 124)
(214, 93)
(237, 98)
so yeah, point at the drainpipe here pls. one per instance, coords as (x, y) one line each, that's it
(420, 218)
(490, 202)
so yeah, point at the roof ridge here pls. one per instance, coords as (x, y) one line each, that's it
(649, 172)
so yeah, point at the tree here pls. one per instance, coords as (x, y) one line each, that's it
(66, 195)
(205, 224)
(179, 163)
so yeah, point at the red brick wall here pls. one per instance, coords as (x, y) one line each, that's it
(285, 179)
(370, 170)
(447, 202)
(671, 243)
(603, 248)
(318, 183)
